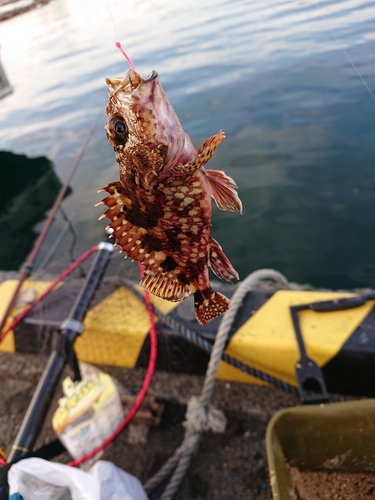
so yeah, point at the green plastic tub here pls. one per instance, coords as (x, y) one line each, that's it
(338, 436)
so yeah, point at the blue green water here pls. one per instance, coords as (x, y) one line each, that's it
(300, 124)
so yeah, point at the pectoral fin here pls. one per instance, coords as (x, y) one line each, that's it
(204, 153)
(223, 191)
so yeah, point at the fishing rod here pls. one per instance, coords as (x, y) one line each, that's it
(29, 264)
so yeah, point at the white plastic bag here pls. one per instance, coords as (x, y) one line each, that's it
(37, 479)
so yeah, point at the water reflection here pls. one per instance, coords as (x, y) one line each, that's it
(288, 228)
(299, 122)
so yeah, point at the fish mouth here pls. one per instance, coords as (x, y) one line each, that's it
(130, 82)
(152, 76)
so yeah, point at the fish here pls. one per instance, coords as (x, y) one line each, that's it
(160, 210)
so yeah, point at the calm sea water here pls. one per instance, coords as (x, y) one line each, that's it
(300, 124)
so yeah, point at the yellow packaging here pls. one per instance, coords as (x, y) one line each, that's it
(88, 413)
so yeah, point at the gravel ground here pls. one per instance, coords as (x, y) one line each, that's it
(230, 465)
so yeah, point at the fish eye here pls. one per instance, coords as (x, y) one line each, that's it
(118, 129)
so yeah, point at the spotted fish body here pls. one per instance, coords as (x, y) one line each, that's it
(160, 210)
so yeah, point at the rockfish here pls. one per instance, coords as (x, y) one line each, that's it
(160, 209)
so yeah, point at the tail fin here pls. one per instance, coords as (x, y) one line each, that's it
(206, 309)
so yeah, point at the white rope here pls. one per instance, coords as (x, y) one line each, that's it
(201, 415)
(199, 418)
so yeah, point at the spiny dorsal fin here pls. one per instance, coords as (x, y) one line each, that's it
(164, 284)
(129, 237)
(133, 240)
(219, 263)
(223, 191)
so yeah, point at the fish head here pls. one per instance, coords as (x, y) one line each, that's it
(144, 129)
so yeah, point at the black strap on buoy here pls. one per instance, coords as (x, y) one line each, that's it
(311, 383)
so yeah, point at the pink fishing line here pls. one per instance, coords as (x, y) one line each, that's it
(119, 46)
